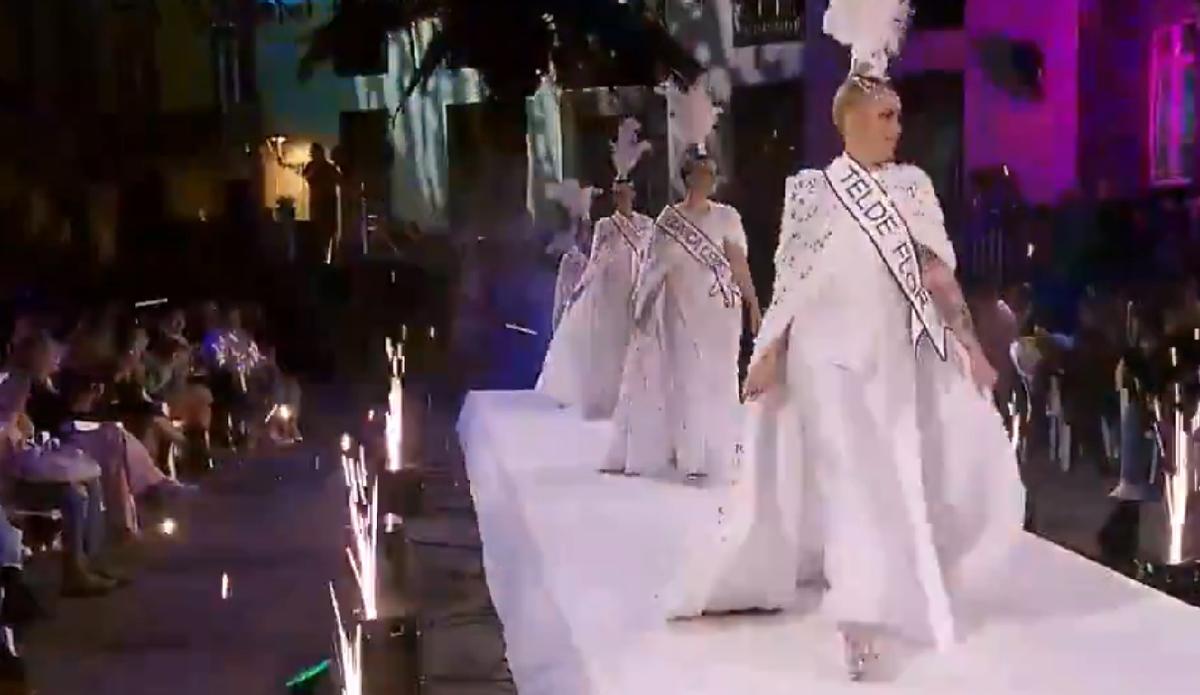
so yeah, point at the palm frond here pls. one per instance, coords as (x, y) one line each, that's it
(356, 22)
(515, 43)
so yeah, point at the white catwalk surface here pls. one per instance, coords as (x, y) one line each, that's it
(575, 561)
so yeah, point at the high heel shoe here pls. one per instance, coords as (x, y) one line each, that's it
(861, 657)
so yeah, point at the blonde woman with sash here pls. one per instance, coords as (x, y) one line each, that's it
(679, 399)
(876, 468)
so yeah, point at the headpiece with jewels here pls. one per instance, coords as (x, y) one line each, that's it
(627, 149)
(873, 30)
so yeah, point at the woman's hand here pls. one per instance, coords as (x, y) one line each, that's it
(763, 374)
(23, 426)
(982, 373)
(756, 317)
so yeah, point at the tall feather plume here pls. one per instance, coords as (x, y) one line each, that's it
(693, 114)
(873, 30)
(575, 198)
(628, 149)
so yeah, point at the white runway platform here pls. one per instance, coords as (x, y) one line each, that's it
(574, 560)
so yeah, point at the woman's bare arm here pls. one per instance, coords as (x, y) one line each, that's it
(948, 297)
(741, 275)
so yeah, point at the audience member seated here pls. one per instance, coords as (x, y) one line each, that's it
(129, 400)
(75, 409)
(129, 472)
(171, 377)
(172, 327)
(91, 343)
(168, 379)
(18, 607)
(49, 477)
(280, 396)
(230, 348)
(249, 380)
(1184, 314)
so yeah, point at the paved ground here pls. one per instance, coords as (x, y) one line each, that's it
(270, 532)
(275, 526)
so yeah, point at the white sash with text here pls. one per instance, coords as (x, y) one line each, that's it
(705, 251)
(866, 200)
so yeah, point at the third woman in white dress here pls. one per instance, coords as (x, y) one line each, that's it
(583, 364)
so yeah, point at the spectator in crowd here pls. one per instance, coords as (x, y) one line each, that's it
(92, 342)
(128, 472)
(129, 400)
(47, 477)
(1018, 297)
(1184, 314)
(996, 326)
(168, 379)
(323, 178)
(1091, 404)
(252, 380)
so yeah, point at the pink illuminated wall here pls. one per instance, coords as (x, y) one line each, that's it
(1036, 139)
(1115, 89)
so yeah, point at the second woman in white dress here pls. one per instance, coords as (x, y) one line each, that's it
(679, 396)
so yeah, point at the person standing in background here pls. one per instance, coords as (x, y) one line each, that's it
(324, 179)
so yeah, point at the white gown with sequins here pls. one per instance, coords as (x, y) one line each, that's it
(584, 362)
(678, 404)
(570, 271)
(888, 476)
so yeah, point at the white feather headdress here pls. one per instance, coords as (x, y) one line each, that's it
(628, 149)
(693, 115)
(575, 198)
(873, 30)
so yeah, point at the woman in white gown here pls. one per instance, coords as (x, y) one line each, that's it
(584, 363)
(679, 395)
(888, 476)
(571, 267)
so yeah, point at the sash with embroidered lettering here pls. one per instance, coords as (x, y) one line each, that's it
(704, 251)
(626, 231)
(868, 203)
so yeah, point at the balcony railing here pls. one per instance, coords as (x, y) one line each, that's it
(757, 22)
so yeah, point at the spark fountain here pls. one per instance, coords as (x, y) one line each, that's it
(1014, 418)
(1175, 492)
(363, 556)
(362, 501)
(349, 645)
(1179, 480)
(367, 651)
(394, 423)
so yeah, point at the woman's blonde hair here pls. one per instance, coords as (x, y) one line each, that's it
(856, 89)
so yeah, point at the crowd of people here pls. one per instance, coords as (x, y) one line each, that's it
(101, 424)
(1103, 391)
